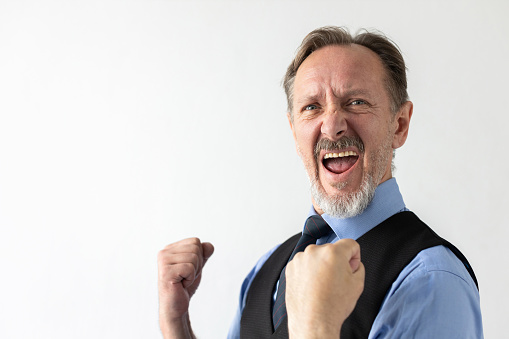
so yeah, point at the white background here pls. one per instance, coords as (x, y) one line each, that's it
(125, 126)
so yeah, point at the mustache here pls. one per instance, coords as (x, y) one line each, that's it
(344, 142)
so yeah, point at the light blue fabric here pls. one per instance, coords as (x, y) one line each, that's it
(433, 297)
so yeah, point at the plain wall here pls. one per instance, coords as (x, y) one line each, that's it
(125, 126)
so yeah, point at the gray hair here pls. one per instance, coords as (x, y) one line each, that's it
(387, 51)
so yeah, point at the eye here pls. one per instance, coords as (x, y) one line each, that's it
(310, 107)
(358, 102)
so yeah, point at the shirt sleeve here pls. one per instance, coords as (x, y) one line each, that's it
(433, 297)
(234, 332)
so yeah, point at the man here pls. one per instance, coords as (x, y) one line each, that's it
(348, 110)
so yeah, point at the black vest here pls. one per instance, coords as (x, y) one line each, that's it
(397, 241)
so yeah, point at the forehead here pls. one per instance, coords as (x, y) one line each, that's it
(341, 69)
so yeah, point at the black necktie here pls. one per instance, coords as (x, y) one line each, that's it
(315, 228)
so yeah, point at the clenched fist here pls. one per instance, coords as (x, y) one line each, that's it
(323, 285)
(180, 266)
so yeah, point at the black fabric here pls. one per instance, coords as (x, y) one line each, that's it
(397, 241)
(256, 321)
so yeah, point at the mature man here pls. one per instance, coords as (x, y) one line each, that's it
(348, 110)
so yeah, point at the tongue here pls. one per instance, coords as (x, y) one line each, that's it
(339, 165)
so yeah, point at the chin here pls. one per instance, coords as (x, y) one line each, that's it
(343, 204)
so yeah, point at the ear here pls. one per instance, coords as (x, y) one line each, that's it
(402, 122)
(289, 117)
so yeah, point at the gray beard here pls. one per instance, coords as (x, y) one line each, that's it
(344, 206)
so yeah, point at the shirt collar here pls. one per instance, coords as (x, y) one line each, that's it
(386, 202)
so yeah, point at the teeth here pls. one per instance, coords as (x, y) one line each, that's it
(339, 155)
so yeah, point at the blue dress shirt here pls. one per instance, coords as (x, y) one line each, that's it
(433, 297)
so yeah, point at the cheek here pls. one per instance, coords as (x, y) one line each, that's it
(375, 133)
(307, 136)
(305, 142)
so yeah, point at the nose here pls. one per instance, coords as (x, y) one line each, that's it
(334, 124)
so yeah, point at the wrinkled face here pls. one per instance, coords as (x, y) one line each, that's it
(343, 126)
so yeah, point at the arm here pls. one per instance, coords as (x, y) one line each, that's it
(315, 310)
(433, 297)
(179, 266)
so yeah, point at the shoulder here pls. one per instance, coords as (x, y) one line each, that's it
(433, 297)
(433, 263)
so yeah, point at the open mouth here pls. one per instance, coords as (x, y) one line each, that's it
(339, 162)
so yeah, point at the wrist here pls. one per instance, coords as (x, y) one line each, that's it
(313, 330)
(176, 328)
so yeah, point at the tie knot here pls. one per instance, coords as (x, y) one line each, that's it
(316, 227)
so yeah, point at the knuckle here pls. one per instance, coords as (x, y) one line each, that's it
(161, 255)
(194, 241)
(310, 249)
(194, 258)
(188, 266)
(298, 259)
(181, 270)
(355, 244)
(184, 268)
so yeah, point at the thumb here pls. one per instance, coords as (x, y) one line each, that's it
(352, 251)
(208, 249)
(355, 264)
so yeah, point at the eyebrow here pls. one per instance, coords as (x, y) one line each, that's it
(355, 92)
(309, 98)
(348, 93)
